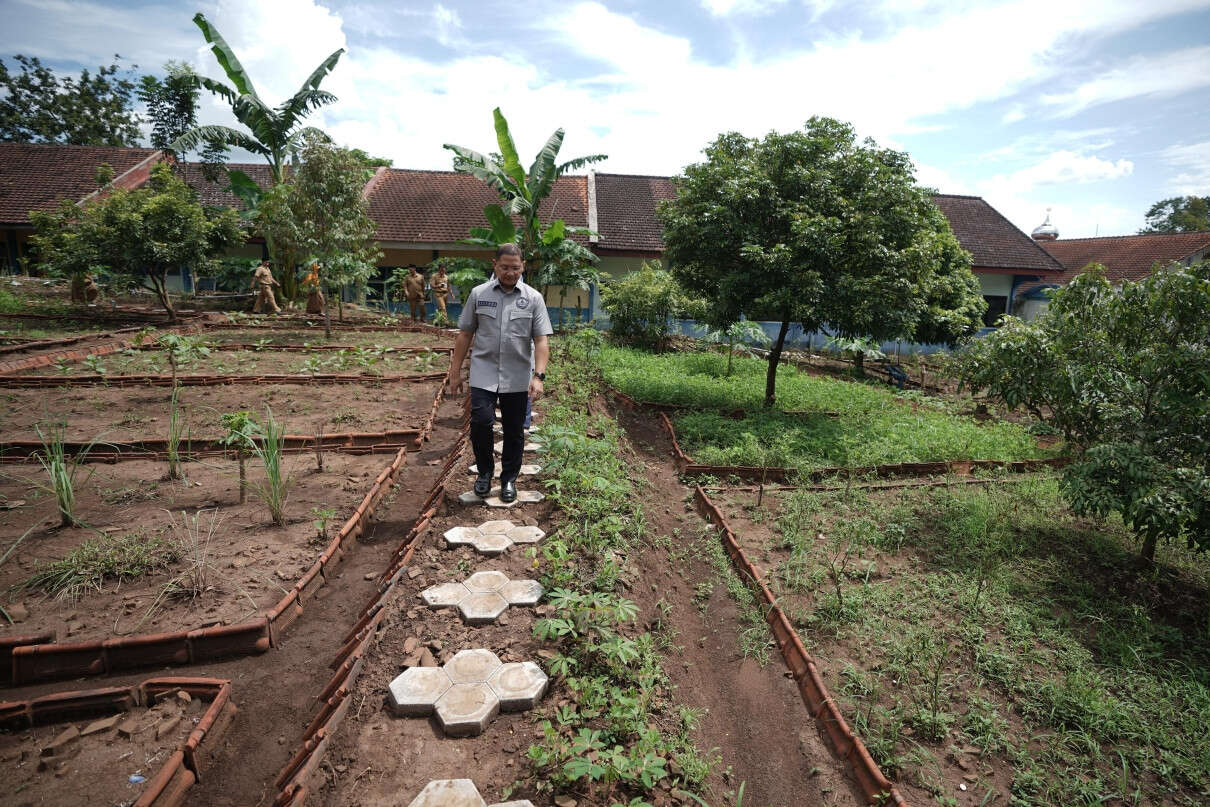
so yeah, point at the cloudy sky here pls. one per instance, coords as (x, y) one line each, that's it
(1095, 109)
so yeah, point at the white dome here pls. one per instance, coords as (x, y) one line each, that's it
(1046, 231)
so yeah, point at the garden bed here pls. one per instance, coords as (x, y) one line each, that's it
(984, 642)
(122, 414)
(143, 745)
(130, 571)
(309, 337)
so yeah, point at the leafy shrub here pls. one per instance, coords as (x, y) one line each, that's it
(641, 305)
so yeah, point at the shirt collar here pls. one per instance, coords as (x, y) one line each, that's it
(496, 285)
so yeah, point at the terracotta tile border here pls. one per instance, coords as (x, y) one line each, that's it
(238, 346)
(42, 344)
(33, 658)
(312, 324)
(295, 781)
(157, 447)
(169, 786)
(849, 747)
(47, 359)
(24, 381)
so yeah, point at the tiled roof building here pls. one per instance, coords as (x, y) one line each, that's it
(38, 176)
(1128, 257)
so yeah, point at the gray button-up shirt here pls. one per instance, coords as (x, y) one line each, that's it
(505, 324)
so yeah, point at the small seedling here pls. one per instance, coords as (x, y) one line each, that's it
(321, 516)
(242, 430)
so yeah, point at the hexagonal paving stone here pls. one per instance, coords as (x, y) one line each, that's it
(471, 666)
(498, 526)
(486, 581)
(526, 535)
(462, 535)
(415, 690)
(493, 498)
(444, 595)
(519, 686)
(527, 469)
(517, 803)
(522, 592)
(482, 607)
(466, 709)
(449, 793)
(536, 448)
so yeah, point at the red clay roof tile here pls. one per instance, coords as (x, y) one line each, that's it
(1126, 257)
(38, 176)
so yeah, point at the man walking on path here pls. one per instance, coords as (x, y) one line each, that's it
(263, 282)
(507, 323)
(413, 289)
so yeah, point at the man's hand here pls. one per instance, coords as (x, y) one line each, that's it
(457, 385)
(536, 388)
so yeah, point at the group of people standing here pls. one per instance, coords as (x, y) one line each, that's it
(414, 291)
(263, 283)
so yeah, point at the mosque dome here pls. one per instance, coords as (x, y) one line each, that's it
(1046, 231)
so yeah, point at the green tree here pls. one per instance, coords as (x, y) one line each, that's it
(38, 106)
(1180, 214)
(550, 255)
(1123, 372)
(138, 235)
(172, 103)
(333, 218)
(275, 133)
(816, 228)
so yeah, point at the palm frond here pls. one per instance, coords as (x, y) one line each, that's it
(508, 150)
(579, 162)
(218, 88)
(302, 103)
(225, 55)
(542, 173)
(220, 134)
(318, 74)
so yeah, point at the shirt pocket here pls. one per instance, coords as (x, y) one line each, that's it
(489, 313)
(520, 323)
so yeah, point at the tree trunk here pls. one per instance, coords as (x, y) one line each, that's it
(243, 478)
(159, 283)
(859, 362)
(1148, 552)
(562, 298)
(328, 315)
(774, 358)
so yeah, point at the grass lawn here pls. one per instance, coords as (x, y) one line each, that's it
(835, 422)
(985, 640)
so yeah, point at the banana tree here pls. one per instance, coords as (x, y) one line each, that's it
(543, 248)
(275, 133)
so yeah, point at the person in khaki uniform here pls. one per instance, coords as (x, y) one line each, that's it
(413, 289)
(315, 295)
(440, 284)
(263, 282)
(91, 291)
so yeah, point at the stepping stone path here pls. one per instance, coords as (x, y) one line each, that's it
(493, 537)
(493, 498)
(483, 596)
(498, 429)
(468, 691)
(536, 448)
(458, 793)
(526, 470)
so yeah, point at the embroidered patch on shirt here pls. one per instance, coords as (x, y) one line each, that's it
(523, 302)
(490, 303)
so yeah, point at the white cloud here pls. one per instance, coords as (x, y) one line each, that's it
(1060, 167)
(1015, 113)
(1156, 76)
(1193, 164)
(446, 22)
(723, 8)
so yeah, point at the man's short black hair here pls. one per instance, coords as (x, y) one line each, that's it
(508, 249)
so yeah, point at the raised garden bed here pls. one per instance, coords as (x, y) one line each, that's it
(144, 745)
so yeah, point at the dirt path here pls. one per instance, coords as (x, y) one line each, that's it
(755, 716)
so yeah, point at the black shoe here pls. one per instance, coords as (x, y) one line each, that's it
(483, 485)
(508, 491)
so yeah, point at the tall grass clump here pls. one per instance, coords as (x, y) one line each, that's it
(110, 557)
(61, 471)
(274, 490)
(177, 424)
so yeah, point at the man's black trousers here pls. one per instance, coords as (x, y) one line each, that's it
(512, 416)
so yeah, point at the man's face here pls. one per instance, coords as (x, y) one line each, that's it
(508, 269)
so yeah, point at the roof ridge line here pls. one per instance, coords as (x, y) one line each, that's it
(1133, 235)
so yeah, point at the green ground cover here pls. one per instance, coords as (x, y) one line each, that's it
(836, 422)
(986, 639)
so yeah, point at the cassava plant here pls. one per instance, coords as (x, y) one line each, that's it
(242, 430)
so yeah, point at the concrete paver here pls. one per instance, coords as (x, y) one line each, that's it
(493, 498)
(519, 686)
(415, 690)
(483, 596)
(449, 793)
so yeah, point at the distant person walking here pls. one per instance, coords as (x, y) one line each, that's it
(263, 283)
(315, 295)
(506, 322)
(413, 289)
(440, 284)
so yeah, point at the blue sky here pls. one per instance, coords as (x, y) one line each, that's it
(1094, 109)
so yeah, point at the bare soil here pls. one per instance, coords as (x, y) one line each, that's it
(95, 768)
(250, 563)
(122, 414)
(313, 337)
